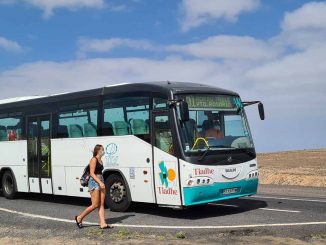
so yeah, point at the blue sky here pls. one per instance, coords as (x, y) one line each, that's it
(267, 50)
(55, 37)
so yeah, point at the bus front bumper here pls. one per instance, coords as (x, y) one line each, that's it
(219, 191)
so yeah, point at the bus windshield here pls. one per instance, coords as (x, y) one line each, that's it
(217, 122)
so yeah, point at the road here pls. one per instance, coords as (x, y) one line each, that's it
(273, 211)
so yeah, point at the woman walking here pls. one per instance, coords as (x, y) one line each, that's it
(96, 188)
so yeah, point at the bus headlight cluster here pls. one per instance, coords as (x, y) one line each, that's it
(199, 181)
(253, 174)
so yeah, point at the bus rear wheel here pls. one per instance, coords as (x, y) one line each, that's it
(116, 197)
(9, 185)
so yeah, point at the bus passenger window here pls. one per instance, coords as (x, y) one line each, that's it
(78, 122)
(127, 116)
(10, 129)
(160, 103)
(114, 120)
(163, 134)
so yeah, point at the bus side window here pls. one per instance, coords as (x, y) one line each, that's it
(114, 121)
(163, 134)
(81, 121)
(10, 129)
(160, 103)
(127, 116)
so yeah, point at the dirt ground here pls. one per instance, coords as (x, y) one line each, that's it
(300, 168)
(123, 238)
(251, 240)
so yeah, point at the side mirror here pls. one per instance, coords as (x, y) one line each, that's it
(184, 111)
(261, 111)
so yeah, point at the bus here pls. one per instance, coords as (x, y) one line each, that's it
(172, 144)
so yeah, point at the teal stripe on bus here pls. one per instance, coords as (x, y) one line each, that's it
(212, 193)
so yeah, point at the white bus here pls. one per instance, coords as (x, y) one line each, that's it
(167, 143)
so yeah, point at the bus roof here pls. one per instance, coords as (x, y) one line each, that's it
(165, 87)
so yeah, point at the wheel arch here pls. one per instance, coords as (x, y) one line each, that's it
(109, 172)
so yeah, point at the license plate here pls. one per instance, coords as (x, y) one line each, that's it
(230, 191)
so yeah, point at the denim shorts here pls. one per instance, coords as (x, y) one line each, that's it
(93, 185)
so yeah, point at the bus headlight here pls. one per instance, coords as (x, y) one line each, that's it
(253, 174)
(196, 181)
(190, 182)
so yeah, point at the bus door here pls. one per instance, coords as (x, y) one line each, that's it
(166, 174)
(39, 154)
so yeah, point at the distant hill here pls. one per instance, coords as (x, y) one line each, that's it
(302, 168)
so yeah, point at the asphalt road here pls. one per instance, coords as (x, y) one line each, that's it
(270, 212)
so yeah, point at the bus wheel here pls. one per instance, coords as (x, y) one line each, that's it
(116, 197)
(8, 185)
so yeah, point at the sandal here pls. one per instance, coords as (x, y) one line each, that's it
(106, 227)
(79, 224)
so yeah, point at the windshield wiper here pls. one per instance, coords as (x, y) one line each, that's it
(209, 149)
(204, 154)
(224, 146)
(244, 150)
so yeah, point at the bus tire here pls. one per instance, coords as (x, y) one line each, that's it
(116, 196)
(9, 185)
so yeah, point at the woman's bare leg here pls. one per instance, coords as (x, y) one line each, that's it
(95, 197)
(101, 208)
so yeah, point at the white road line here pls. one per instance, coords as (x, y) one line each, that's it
(167, 227)
(280, 210)
(41, 216)
(223, 227)
(292, 199)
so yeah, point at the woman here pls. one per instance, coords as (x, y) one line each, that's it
(96, 188)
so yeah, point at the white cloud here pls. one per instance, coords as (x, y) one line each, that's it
(297, 80)
(89, 73)
(10, 46)
(300, 39)
(198, 12)
(304, 27)
(229, 47)
(311, 15)
(215, 47)
(92, 45)
(298, 75)
(48, 6)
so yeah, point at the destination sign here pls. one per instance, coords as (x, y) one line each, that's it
(212, 101)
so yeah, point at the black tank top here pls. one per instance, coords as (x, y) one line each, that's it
(98, 168)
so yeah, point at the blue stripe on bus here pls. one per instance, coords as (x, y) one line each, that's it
(212, 193)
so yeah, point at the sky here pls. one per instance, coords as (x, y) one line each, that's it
(273, 51)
